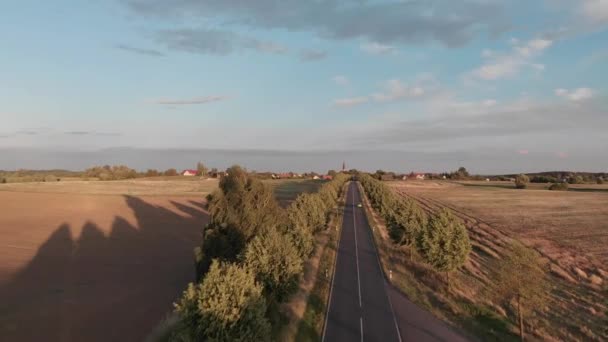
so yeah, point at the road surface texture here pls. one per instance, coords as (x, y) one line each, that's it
(363, 306)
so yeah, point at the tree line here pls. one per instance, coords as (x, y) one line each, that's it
(442, 241)
(251, 259)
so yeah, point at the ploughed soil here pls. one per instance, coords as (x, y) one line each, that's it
(567, 228)
(87, 267)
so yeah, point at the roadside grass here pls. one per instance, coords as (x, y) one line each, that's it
(287, 190)
(310, 327)
(429, 289)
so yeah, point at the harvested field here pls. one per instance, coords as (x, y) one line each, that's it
(568, 228)
(286, 190)
(87, 267)
(157, 186)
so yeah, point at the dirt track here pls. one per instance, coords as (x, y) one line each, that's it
(92, 268)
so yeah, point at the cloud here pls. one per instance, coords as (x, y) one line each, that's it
(192, 101)
(27, 132)
(341, 80)
(562, 155)
(395, 90)
(94, 133)
(523, 152)
(312, 55)
(215, 42)
(596, 10)
(507, 65)
(522, 121)
(450, 23)
(377, 48)
(349, 102)
(140, 51)
(578, 94)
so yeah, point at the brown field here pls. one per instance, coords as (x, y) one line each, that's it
(95, 261)
(569, 228)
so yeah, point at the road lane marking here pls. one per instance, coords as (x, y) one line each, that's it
(361, 323)
(331, 286)
(356, 250)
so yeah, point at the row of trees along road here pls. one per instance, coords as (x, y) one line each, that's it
(251, 258)
(443, 242)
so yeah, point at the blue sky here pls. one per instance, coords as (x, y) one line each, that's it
(522, 81)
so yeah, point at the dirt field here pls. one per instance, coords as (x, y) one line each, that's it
(568, 228)
(157, 186)
(87, 267)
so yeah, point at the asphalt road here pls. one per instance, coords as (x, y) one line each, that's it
(363, 306)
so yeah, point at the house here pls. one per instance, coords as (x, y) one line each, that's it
(189, 172)
(315, 177)
(417, 176)
(327, 177)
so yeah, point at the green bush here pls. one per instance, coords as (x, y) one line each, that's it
(561, 186)
(227, 306)
(521, 181)
(276, 263)
(444, 244)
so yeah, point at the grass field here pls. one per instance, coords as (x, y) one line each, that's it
(568, 228)
(286, 190)
(95, 261)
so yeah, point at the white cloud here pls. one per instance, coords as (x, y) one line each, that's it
(579, 94)
(192, 101)
(341, 80)
(396, 90)
(351, 101)
(377, 48)
(596, 10)
(507, 65)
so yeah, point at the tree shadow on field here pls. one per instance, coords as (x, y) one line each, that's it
(100, 286)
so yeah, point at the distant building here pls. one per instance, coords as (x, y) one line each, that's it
(189, 172)
(327, 177)
(412, 176)
(316, 177)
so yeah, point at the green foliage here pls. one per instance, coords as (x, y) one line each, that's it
(276, 263)
(107, 172)
(170, 172)
(227, 306)
(521, 181)
(407, 222)
(521, 280)
(576, 179)
(561, 186)
(444, 244)
(152, 173)
(201, 169)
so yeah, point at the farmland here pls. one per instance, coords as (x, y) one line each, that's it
(95, 260)
(286, 190)
(101, 260)
(567, 228)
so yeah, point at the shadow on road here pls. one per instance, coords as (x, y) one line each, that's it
(100, 286)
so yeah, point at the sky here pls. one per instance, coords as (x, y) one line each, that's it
(501, 86)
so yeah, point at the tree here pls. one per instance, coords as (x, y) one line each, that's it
(600, 180)
(521, 278)
(227, 306)
(276, 262)
(170, 172)
(331, 173)
(561, 186)
(576, 179)
(152, 173)
(201, 169)
(444, 244)
(406, 223)
(521, 181)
